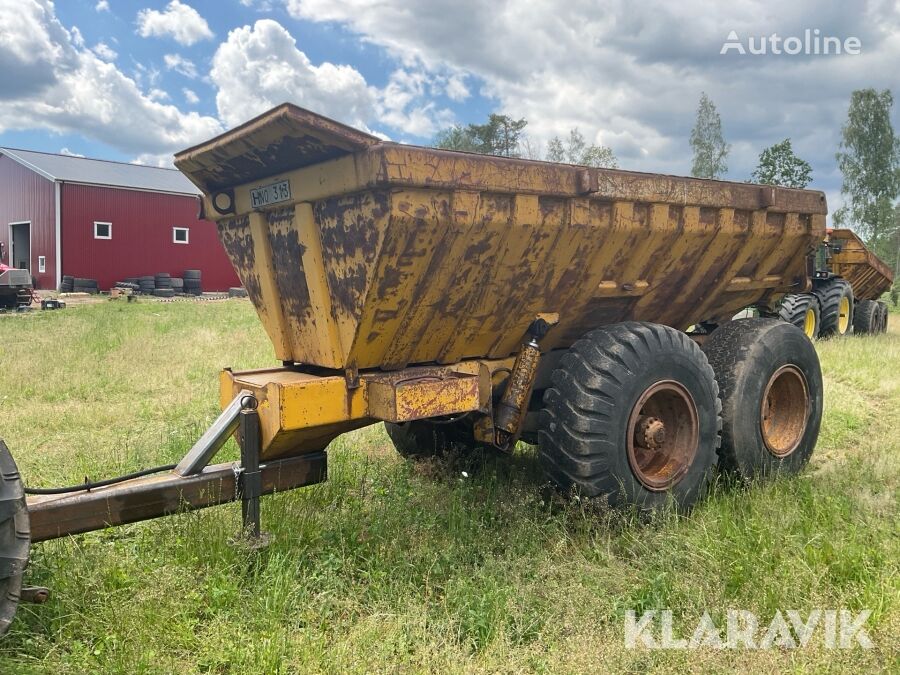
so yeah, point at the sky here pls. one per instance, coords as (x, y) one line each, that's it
(138, 80)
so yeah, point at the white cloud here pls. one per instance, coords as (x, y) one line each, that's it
(69, 153)
(104, 51)
(181, 65)
(65, 88)
(630, 74)
(456, 88)
(179, 21)
(102, 6)
(190, 96)
(259, 67)
(403, 104)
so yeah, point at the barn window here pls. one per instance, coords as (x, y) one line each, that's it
(180, 235)
(42, 264)
(102, 230)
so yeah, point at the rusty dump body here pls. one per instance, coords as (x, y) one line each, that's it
(363, 257)
(869, 275)
(387, 255)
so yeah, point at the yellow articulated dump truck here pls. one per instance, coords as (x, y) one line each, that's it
(848, 283)
(469, 301)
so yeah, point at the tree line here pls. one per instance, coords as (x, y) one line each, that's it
(868, 156)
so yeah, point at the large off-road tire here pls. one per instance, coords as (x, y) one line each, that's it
(422, 439)
(882, 317)
(632, 415)
(770, 384)
(15, 537)
(865, 317)
(836, 305)
(801, 310)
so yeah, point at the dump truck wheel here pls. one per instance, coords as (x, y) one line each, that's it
(836, 304)
(801, 310)
(633, 415)
(15, 537)
(421, 439)
(770, 383)
(882, 317)
(865, 317)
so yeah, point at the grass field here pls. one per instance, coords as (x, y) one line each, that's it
(390, 566)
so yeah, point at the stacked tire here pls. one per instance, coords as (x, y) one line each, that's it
(192, 282)
(85, 286)
(178, 285)
(163, 288)
(67, 285)
(147, 284)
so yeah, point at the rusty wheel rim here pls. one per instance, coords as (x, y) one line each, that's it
(663, 435)
(784, 413)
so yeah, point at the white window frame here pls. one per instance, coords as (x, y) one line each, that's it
(101, 222)
(187, 235)
(42, 264)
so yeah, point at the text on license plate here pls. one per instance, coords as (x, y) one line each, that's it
(270, 194)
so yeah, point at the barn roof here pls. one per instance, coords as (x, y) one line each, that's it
(71, 169)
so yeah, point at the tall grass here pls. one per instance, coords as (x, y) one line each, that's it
(394, 566)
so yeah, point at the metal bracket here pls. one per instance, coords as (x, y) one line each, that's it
(249, 483)
(206, 447)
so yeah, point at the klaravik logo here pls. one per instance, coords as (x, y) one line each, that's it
(835, 629)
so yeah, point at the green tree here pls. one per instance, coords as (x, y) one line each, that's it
(869, 159)
(707, 142)
(575, 150)
(778, 165)
(456, 137)
(500, 135)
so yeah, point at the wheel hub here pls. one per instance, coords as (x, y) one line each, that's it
(785, 410)
(663, 435)
(650, 432)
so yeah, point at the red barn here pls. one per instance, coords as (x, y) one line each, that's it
(104, 220)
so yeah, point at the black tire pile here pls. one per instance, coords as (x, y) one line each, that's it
(78, 285)
(160, 285)
(191, 282)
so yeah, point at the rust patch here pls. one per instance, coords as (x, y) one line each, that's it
(234, 233)
(287, 263)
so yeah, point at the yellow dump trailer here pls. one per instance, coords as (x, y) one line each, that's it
(868, 275)
(469, 302)
(403, 283)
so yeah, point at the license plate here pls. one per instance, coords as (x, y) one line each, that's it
(270, 194)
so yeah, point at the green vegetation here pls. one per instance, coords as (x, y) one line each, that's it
(869, 159)
(707, 142)
(778, 165)
(391, 566)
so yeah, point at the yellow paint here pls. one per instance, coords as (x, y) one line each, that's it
(299, 411)
(809, 323)
(844, 315)
(408, 255)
